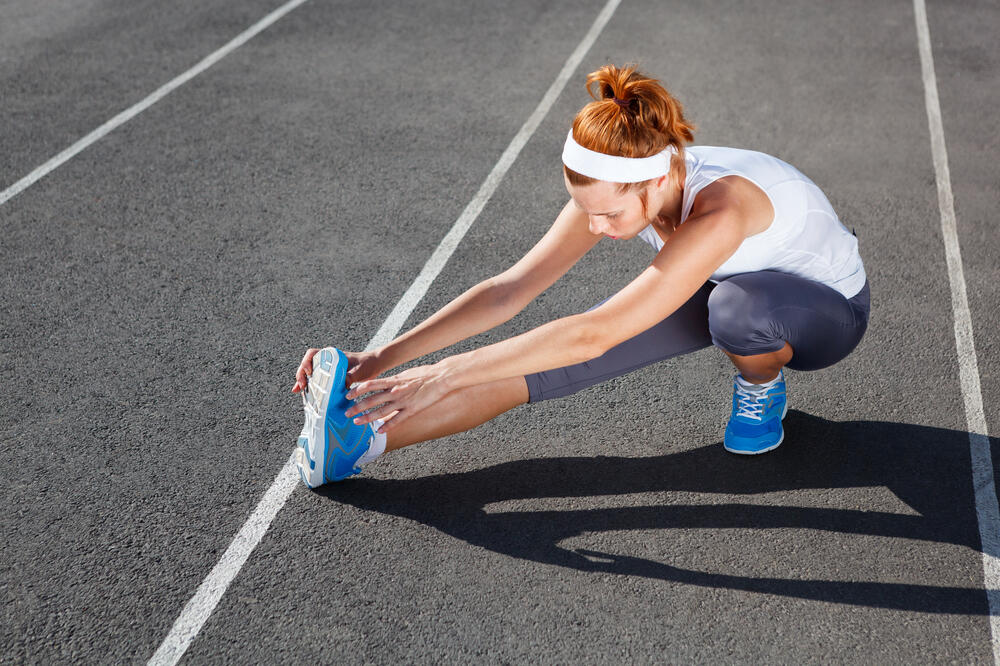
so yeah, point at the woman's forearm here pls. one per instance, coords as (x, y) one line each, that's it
(479, 309)
(556, 344)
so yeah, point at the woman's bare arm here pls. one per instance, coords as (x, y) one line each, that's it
(497, 299)
(484, 306)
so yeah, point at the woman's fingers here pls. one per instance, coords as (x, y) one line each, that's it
(375, 400)
(370, 386)
(396, 398)
(391, 421)
(384, 412)
(389, 415)
(304, 371)
(361, 406)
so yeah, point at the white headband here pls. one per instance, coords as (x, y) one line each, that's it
(614, 168)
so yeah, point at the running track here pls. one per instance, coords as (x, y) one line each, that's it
(160, 285)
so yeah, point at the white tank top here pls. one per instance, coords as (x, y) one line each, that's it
(805, 238)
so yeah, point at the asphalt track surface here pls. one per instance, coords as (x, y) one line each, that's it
(160, 287)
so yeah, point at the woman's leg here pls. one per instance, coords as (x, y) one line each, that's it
(758, 318)
(460, 410)
(764, 321)
(761, 368)
(758, 346)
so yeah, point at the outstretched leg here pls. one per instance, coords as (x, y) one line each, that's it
(460, 410)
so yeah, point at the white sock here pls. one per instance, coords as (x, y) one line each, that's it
(745, 384)
(377, 446)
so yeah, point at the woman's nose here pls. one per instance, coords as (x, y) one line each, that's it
(597, 225)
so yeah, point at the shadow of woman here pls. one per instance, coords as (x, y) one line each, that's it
(927, 468)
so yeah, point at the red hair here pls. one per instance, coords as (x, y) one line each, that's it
(632, 115)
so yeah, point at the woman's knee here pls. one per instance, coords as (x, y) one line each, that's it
(738, 322)
(724, 305)
(729, 310)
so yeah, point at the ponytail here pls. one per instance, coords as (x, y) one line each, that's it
(632, 115)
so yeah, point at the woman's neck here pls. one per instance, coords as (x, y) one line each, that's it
(669, 215)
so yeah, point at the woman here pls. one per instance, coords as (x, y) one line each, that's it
(750, 258)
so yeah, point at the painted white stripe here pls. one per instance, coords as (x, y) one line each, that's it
(214, 586)
(207, 597)
(968, 367)
(131, 112)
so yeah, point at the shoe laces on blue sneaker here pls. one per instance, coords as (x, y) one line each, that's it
(755, 424)
(749, 402)
(751, 399)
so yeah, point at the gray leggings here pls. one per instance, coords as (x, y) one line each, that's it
(748, 314)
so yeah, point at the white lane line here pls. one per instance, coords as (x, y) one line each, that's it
(968, 367)
(205, 599)
(133, 111)
(214, 586)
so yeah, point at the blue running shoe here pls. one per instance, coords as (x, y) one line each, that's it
(755, 424)
(330, 443)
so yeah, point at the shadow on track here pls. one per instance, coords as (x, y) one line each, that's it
(927, 468)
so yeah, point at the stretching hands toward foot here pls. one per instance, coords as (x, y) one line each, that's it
(361, 366)
(392, 399)
(398, 397)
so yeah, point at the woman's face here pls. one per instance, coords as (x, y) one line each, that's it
(612, 214)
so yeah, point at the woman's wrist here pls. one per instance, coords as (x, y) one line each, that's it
(448, 372)
(385, 358)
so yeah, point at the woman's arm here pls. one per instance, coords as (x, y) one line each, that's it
(689, 257)
(499, 298)
(684, 264)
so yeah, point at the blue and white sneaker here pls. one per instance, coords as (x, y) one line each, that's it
(755, 424)
(330, 444)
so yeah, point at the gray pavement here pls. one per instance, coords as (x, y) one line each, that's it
(158, 291)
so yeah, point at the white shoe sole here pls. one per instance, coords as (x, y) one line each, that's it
(310, 457)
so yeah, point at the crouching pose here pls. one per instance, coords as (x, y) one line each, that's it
(750, 258)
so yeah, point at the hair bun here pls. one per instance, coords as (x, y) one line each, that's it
(613, 85)
(632, 115)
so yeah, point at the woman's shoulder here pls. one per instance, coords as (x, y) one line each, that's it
(708, 163)
(720, 176)
(729, 157)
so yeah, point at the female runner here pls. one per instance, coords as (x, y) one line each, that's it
(750, 258)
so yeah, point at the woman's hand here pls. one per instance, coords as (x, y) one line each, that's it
(305, 370)
(360, 366)
(399, 397)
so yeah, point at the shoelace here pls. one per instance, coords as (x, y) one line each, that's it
(309, 400)
(750, 403)
(310, 411)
